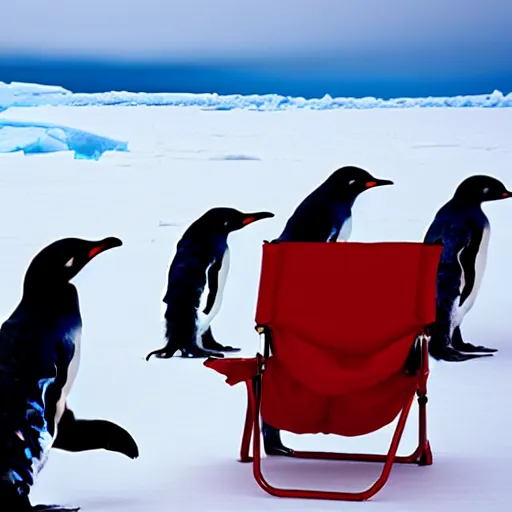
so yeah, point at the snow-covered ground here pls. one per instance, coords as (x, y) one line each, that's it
(186, 420)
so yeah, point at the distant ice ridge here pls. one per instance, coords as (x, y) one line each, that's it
(30, 95)
(36, 138)
(11, 93)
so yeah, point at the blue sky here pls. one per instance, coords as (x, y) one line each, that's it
(374, 41)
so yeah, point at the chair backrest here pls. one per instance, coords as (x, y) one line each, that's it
(351, 297)
(344, 316)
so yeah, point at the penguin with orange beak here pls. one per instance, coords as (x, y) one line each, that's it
(196, 281)
(325, 215)
(463, 229)
(39, 360)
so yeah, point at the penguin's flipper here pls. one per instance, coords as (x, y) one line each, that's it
(450, 286)
(53, 508)
(213, 284)
(83, 435)
(333, 237)
(462, 346)
(210, 343)
(467, 261)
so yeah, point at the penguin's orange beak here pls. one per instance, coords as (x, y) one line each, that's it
(506, 194)
(104, 245)
(253, 217)
(378, 183)
(94, 251)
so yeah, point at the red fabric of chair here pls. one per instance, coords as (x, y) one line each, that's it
(343, 319)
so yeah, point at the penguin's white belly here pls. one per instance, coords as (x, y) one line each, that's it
(460, 311)
(72, 373)
(204, 320)
(345, 231)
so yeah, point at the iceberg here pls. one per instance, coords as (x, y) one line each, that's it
(31, 95)
(11, 94)
(35, 138)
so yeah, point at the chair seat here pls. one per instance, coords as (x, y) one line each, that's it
(289, 405)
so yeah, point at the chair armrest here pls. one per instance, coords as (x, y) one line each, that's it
(236, 369)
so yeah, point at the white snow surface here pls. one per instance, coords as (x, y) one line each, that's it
(18, 94)
(186, 420)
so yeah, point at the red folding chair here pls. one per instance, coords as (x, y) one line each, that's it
(340, 321)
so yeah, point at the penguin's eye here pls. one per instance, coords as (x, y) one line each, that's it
(226, 223)
(70, 263)
(351, 182)
(486, 191)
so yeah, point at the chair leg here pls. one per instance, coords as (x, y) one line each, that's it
(389, 459)
(424, 451)
(248, 427)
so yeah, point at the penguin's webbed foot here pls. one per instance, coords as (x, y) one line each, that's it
(453, 355)
(223, 348)
(228, 348)
(281, 450)
(54, 508)
(469, 347)
(272, 442)
(210, 343)
(459, 344)
(197, 352)
(163, 353)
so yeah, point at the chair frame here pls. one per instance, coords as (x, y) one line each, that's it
(422, 455)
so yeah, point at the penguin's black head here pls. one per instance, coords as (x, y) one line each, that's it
(223, 221)
(351, 181)
(60, 261)
(480, 188)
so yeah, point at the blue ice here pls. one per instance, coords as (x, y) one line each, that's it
(36, 138)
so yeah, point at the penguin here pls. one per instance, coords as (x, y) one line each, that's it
(196, 281)
(463, 229)
(39, 361)
(325, 215)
